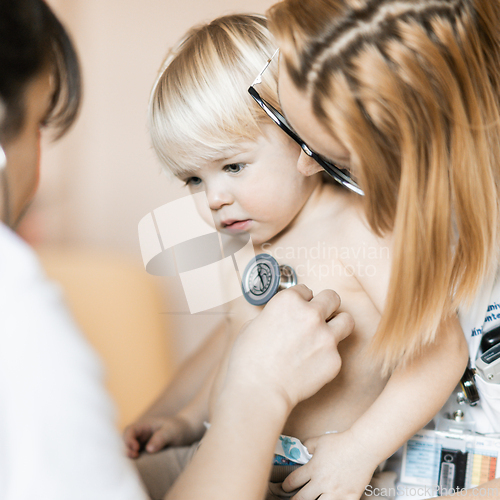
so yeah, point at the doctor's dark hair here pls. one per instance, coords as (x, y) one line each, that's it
(412, 89)
(33, 40)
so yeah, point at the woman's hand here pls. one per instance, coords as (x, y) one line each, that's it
(290, 350)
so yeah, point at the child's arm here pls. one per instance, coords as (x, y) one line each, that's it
(176, 417)
(343, 463)
(155, 432)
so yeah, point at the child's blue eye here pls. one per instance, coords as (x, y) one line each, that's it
(192, 181)
(234, 168)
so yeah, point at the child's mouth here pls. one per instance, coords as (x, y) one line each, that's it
(236, 225)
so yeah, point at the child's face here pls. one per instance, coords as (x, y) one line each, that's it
(256, 188)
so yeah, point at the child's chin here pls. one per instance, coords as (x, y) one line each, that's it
(258, 241)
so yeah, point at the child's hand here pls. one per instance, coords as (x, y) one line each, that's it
(154, 433)
(339, 470)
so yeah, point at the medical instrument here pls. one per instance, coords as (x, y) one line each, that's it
(490, 339)
(264, 277)
(488, 365)
(452, 471)
(446, 461)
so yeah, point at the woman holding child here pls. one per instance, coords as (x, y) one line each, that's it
(411, 91)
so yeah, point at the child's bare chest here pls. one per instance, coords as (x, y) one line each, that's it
(358, 384)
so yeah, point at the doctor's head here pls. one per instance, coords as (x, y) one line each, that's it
(39, 86)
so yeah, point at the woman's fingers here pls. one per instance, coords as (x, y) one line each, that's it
(341, 326)
(311, 443)
(308, 492)
(290, 348)
(303, 291)
(327, 302)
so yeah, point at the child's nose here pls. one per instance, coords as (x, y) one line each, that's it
(218, 197)
(307, 166)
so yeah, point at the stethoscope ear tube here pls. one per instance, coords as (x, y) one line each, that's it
(3, 159)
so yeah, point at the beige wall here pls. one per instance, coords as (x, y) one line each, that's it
(100, 180)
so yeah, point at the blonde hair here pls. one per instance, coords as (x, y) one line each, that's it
(199, 104)
(412, 89)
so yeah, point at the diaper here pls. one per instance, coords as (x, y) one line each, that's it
(290, 451)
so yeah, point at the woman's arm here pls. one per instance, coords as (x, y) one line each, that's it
(343, 463)
(235, 455)
(283, 356)
(414, 394)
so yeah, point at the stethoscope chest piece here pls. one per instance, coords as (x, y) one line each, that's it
(264, 277)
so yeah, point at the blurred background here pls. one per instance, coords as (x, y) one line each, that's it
(103, 177)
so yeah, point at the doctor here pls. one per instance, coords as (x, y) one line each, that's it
(57, 438)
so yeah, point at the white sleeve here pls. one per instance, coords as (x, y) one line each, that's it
(57, 434)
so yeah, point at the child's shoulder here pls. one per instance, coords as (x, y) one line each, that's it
(335, 247)
(362, 253)
(338, 219)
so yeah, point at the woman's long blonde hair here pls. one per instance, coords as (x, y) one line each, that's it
(412, 90)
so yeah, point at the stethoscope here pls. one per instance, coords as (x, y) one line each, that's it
(263, 278)
(6, 213)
